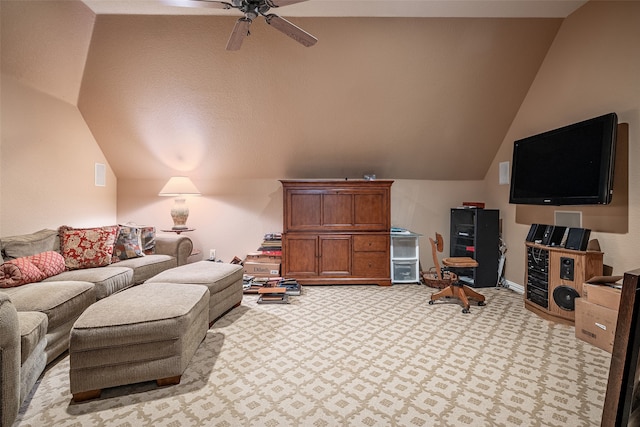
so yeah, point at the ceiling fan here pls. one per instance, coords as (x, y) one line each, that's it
(251, 10)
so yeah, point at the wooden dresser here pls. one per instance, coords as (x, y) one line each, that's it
(337, 231)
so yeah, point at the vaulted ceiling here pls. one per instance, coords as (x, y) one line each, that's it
(419, 97)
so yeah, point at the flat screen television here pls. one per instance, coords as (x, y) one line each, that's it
(571, 165)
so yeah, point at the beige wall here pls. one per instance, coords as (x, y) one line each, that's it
(592, 68)
(47, 169)
(233, 216)
(48, 152)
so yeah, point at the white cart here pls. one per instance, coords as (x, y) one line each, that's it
(405, 257)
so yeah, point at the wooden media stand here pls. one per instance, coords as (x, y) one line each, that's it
(550, 268)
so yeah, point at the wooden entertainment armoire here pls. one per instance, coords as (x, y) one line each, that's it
(337, 231)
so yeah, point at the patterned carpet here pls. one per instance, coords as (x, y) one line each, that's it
(359, 356)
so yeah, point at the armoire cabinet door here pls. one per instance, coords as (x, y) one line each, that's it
(335, 255)
(301, 252)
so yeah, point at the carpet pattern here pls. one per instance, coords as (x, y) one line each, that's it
(359, 355)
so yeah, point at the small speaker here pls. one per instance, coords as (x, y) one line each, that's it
(566, 268)
(536, 232)
(564, 297)
(546, 235)
(556, 235)
(578, 239)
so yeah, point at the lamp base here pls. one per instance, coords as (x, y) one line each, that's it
(179, 213)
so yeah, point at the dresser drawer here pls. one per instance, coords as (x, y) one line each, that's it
(371, 264)
(370, 243)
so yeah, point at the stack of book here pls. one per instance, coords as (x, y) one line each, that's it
(291, 285)
(273, 295)
(257, 285)
(252, 284)
(271, 244)
(247, 284)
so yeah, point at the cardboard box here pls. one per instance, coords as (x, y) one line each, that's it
(264, 269)
(260, 257)
(595, 324)
(606, 296)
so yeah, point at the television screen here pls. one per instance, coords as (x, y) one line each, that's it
(572, 165)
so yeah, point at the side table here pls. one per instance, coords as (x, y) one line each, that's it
(178, 231)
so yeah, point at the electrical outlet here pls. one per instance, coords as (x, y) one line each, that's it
(212, 254)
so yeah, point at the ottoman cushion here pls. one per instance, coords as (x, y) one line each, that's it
(144, 333)
(223, 280)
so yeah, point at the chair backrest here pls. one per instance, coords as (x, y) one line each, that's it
(437, 246)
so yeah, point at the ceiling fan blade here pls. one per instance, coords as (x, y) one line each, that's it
(240, 31)
(198, 3)
(293, 31)
(280, 3)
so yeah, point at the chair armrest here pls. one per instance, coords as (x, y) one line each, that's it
(178, 246)
(9, 362)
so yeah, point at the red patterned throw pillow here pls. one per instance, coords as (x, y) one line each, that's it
(88, 247)
(10, 275)
(50, 262)
(27, 273)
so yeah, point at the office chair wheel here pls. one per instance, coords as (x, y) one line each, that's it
(430, 302)
(466, 311)
(481, 303)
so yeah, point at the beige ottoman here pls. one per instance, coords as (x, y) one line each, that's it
(145, 333)
(223, 280)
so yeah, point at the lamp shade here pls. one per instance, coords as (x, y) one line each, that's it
(179, 186)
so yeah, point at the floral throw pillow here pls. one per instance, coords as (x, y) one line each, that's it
(88, 247)
(128, 243)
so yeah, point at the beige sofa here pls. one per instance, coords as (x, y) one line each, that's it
(37, 317)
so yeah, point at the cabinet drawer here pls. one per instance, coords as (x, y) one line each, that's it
(405, 272)
(370, 243)
(371, 264)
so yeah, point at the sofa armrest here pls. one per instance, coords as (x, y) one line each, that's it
(9, 361)
(178, 246)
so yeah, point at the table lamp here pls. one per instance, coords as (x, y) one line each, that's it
(179, 187)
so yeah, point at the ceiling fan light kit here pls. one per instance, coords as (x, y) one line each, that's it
(251, 9)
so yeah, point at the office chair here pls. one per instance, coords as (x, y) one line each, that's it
(453, 287)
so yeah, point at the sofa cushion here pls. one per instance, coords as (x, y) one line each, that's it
(147, 266)
(60, 301)
(30, 244)
(33, 328)
(128, 243)
(88, 247)
(107, 280)
(27, 273)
